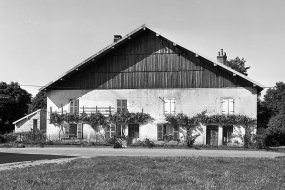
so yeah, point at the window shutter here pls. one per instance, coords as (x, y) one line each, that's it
(175, 132)
(77, 106)
(159, 132)
(118, 131)
(172, 106)
(79, 130)
(225, 106)
(112, 130)
(66, 129)
(107, 132)
(231, 106)
(71, 106)
(167, 106)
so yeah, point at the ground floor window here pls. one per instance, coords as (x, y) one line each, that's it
(73, 130)
(164, 130)
(110, 131)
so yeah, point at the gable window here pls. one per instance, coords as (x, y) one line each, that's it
(228, 106)
(74, 106)
(110, 131)
(169, 106)
(121, 106)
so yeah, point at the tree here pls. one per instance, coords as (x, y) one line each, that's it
(38, 102)
(15, 110)
(238, 65)
(271, 114)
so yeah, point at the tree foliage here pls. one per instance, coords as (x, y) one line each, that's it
(271, 115)
(238, 65)
(38, 102)
(15, 110)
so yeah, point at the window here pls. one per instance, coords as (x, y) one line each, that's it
(169, 106)
(120, 130)
(159, 132)
(110, 131)
(121, 106)
(35, 124)
(74, 130)
(74, 106)
(228, 106)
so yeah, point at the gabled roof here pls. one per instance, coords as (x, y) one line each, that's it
(27, 116)
(130, 35)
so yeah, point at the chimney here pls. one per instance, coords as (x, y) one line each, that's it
(117, 37)
(222, 57)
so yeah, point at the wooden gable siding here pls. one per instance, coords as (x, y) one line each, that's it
(150, 61)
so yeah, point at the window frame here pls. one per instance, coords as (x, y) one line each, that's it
(171, 109)
(123, 108)
(230, 103)
(74, 106)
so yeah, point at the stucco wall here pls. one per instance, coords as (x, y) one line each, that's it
(188, 101)
(27, 123)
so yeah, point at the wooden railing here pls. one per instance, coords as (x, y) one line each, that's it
(104, 110)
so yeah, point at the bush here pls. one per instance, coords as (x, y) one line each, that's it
(275, 136)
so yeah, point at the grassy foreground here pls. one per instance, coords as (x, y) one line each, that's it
(150, 173)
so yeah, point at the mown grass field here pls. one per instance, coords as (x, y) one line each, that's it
(150, 173)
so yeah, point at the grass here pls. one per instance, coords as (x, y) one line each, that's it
(150, 173)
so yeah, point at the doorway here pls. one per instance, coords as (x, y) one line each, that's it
(212, 134)
(133, 132)
(227, 134)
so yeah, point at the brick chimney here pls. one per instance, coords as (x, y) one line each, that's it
(222, 57)
(117, 37)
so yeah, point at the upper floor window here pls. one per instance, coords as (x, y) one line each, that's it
(74, 106)
(121, 106)
(228, 106)
(169, 106)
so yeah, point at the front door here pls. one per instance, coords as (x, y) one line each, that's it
(227, 134)
(212, 135)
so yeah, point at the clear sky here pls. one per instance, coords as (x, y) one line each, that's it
(42, 39)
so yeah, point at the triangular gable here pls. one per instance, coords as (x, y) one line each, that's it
(131, 35)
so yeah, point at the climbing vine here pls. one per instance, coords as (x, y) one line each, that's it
(98, 118)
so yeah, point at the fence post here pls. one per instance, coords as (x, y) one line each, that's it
(109, 110)
(142, 111)
(96, 109)
(61, 109)
(83, 109)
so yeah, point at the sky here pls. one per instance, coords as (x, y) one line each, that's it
(42, 39)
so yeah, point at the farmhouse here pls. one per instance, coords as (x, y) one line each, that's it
(146, 72)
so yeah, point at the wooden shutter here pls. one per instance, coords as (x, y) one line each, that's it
(76, 107)
(71, 110)
(119, 106)
(231, 106)
(124, 106)
(175, 132)
(159, 132)
(107, 132)
(225, 106)
(66, 129)
(172, 106)
(167, 104)
(112, 130)
(119, 130)
(79, 130)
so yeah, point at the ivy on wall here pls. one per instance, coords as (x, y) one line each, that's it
(189, 122)
(95, 119)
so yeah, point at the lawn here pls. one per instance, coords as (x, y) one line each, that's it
(150, 173)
